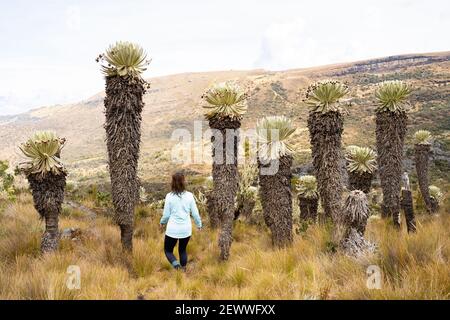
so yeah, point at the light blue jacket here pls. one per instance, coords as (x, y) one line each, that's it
(177, 212)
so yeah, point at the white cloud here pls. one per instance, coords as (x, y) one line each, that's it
(343, 32)
(30, 86)
(51, 47)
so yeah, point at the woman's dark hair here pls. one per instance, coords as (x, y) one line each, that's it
(178, 183)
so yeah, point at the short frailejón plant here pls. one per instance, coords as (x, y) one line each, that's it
(423, 137)
(42, 152)
(436, 195)
(391, 121)
(275, 161)
(356, 210)
(122, 65)
(355, 216)
(225, 105)
(308, 197)
(307, 187)
(46, 175)
(361, 166)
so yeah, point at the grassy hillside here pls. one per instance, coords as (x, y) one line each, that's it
(174, 102)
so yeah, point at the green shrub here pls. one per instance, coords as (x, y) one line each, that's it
(103, 199)
(7, 190)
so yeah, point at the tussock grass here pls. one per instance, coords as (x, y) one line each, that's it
(415, 266)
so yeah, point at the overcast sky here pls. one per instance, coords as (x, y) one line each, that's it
(48, 48)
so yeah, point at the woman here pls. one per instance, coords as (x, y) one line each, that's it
(178, 207)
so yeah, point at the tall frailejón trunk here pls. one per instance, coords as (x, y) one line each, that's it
(123, 107)
(212, 210)
(408, 209)
(308, 208)
(276, 200)
(244, 207)
(360, 181)
(48, 196)
(390, 136)
(225, 176)
(325, 135)
(421, 157)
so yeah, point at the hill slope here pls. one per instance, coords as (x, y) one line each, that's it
(174, 102)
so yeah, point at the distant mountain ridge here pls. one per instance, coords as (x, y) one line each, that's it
(174, 101)
(393, 62)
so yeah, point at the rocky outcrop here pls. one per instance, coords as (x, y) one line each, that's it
(391, 63)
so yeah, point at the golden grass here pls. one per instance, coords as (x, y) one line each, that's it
(413, 266)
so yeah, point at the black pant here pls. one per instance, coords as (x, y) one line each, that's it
(169, 245)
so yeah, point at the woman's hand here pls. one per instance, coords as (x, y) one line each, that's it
(161, 227)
